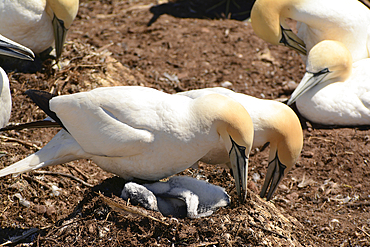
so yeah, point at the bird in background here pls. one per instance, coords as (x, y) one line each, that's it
(142, 133)
(334, 90)
(37, 24)
(273, 123)
(11, 49)
(346, 21)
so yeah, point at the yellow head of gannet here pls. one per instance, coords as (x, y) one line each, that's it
(347, 21)
(328, 61)
(284, 132)
(138, 132)
(62, 12)
(235, 127)
(273, 123)
(11, 49)
(268, 22)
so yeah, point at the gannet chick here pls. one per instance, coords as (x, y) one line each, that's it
(11, 49)
(347, 21)
(37, 24)
(334, 91)
(273, 122)
(138, 132)
(179, 196)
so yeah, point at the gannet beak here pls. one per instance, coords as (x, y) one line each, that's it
(275, 173)
(308, 81)
(13, 49)
(239, 167)
(60, 33)
(291, 40)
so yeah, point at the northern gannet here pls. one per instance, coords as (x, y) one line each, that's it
(273, 122)
(334, 91)
(37, 24)
(11, 49)
(347, 21)
(138, 132)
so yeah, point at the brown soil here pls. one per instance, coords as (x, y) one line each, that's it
(324, 200)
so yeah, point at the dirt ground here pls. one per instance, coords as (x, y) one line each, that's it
(324, 200)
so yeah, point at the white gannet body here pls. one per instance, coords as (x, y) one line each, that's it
(37, 24)
(334, 91)
(347, 21)
(11, 49)
(273, 122)
(138, 132)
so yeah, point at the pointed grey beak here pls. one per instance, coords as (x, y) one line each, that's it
(308, 81)
(13, 49)
(291, 40)
(239, 167)
(60, 33)
(275, 173)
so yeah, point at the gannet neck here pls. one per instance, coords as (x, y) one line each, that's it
(286, 141)
(268, 22)
(235, 127)
(65, 10)
(236, 123)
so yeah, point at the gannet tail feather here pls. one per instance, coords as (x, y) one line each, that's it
(61, 149)
(41, 99)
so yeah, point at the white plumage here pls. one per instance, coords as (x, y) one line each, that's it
(11, 49)
(347, 21)
(334, 91)
(138, 132)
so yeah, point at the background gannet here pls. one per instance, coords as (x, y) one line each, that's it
(347, 21)
(11, 49)
(37, 23)
(273, 122)
(138, 132)
(334, 91)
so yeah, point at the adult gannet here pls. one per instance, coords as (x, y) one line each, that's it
(37, 23)
(347, 21)
(11, 49)
(138, 132)
(334, 91)
(273, 122)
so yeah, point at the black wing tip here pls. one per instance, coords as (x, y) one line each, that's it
(36, 124)
(41, 99)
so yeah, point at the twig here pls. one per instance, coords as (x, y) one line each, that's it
(128, 209)
(59, 227)
(64, 175)
(31, 179)
(357, 204)
(362, 230)
(267, 230)
(78, 171)
(322, 206)
(204, 244)
(320, 138)
(28, 144)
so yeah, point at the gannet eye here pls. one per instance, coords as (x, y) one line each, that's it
(324, 71)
